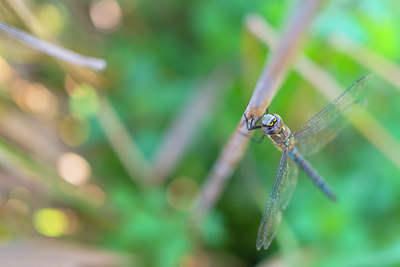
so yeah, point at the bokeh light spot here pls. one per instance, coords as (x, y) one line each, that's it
(51, 18)
(84, 101)
(34, 98)
(6, 72)
(51, 222)
(183, 194)
(98, 195)
(40, 101)
(128, 6)
(74, 131)
(21, 193)
(18, 205)
(73, 168)
(106, 15)
(73, 221)
(70, 84)
(194, 260)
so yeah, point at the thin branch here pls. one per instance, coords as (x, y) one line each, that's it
(265, 90)
(126, 149)
(53, 50)
(79, 73)
(44, 46)
(275, 72)
(380, 137)
(184, 127)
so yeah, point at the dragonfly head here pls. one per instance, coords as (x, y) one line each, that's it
(271, 123)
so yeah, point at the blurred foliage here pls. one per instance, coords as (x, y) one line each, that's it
(157, 54)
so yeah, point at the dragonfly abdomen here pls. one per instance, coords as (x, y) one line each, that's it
(312, 174)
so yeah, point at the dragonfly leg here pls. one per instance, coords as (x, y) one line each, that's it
(251, 126)
(253, 139)
(259, 140)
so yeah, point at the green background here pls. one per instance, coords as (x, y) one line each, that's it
(158, 59)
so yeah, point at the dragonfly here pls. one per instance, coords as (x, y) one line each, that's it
(307, 140)
(50, 49)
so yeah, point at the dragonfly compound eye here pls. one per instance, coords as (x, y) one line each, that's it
(269, 120)
(271, 123)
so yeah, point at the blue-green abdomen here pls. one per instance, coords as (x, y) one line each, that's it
(312, 173)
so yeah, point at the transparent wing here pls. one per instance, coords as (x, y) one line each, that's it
(278, 199)
(51, 49)
(323, 127)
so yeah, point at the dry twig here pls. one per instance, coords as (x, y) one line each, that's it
(44, 46)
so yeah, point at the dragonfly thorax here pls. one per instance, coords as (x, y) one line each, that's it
(271, 123)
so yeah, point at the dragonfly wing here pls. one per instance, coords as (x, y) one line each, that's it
(323, 127)
(278, 199)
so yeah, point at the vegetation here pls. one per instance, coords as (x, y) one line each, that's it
(127, 159)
